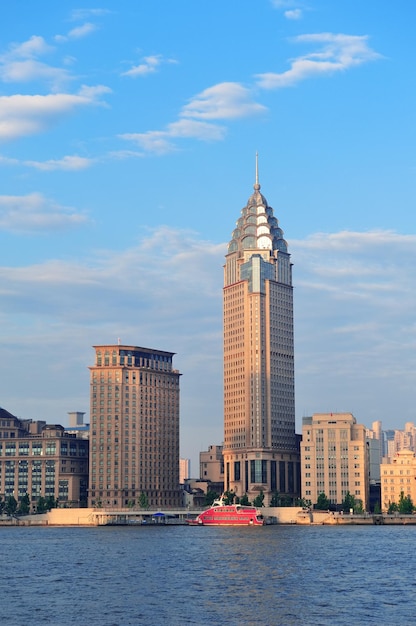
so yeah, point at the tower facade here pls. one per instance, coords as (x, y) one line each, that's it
(260, 447)
(134, 431)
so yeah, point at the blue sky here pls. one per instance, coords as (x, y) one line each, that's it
(128, 133)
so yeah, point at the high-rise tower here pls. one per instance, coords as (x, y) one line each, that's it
(260, 449)
(134, 438)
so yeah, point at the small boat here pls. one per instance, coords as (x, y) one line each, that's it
(221, 514)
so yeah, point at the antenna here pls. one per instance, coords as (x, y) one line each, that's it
(257, 168)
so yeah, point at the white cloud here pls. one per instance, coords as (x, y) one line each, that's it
(223, 101)
(293, 14)
(22, 115)
(338, 52)
(83, 14)
(160, 142)
(150, 65)
(66, 163)
(36, 213)
(78, 32)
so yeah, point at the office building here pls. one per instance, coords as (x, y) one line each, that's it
(42, 460)
(134, 428)
(334, 458)
(211, 464)
(260, 451)
(398, 476)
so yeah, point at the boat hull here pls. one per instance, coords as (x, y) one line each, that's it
(233, 515)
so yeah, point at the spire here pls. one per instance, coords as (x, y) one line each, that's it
(257, 185)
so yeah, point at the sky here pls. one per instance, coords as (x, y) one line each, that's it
(128, 135)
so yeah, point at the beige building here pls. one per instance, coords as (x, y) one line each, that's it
(134, 430)
(334, 458)
(398, 475)
(42, 460)
(211, 465)
(260, 451)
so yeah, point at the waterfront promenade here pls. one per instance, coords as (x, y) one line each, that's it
(131, 517)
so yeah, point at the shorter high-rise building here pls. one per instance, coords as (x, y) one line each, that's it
(134, 430)
(42, 460)
(184, 470)
(398, 476)
(334, 458)
(211, 465)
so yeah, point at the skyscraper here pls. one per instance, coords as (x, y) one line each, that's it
(260, 449)
(134, 431)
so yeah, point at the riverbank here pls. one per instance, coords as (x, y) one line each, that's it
(272, 515)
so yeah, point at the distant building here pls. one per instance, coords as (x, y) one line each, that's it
(42, 460)
(77, 426)
(398, 475)
(184, 470)
(260, 452)
(334, 458)
(211, 464)
(134, 438)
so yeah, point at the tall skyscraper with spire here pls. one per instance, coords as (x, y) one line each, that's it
(260, 447)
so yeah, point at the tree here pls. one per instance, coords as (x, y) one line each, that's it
(275, 500)
(41, 506)
(210, 496)
(305, 504)
(11, 505)
(258, 501)
(348, 503)
(322, 503)
(393, 508)
(244, 500)
(143, 501)
(24, 506)
(51, 503)
(377, 508)
(229, 497)
(405, 504)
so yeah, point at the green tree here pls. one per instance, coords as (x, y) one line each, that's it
(51, 503)
(405, 504)
(348, 502)
(143, 501)
(41, 506)
(393, 508)
(377, 508)
(306, 504)
(358, 508)
(229, 497)
(210, 496)
(258, 501)
(24, 506)
(11, 505)
(275, 500)
(2, 505)
(244, 500)
(322, 503)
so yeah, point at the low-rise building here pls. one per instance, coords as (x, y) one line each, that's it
(334, 458)
(42, 460)
(398, 475)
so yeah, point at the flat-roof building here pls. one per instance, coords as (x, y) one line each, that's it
(134, 427)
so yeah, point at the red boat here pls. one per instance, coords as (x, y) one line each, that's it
(221, 514)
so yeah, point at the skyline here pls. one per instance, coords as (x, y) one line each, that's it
(123, 168)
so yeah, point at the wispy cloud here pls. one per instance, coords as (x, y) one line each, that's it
(79, 32)
(66, 163)
(36, 213)
(231, 100)
(22, 115)
(149, 65)
(337, 52)
(84, 14)
(220, 102)
(293, 14)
